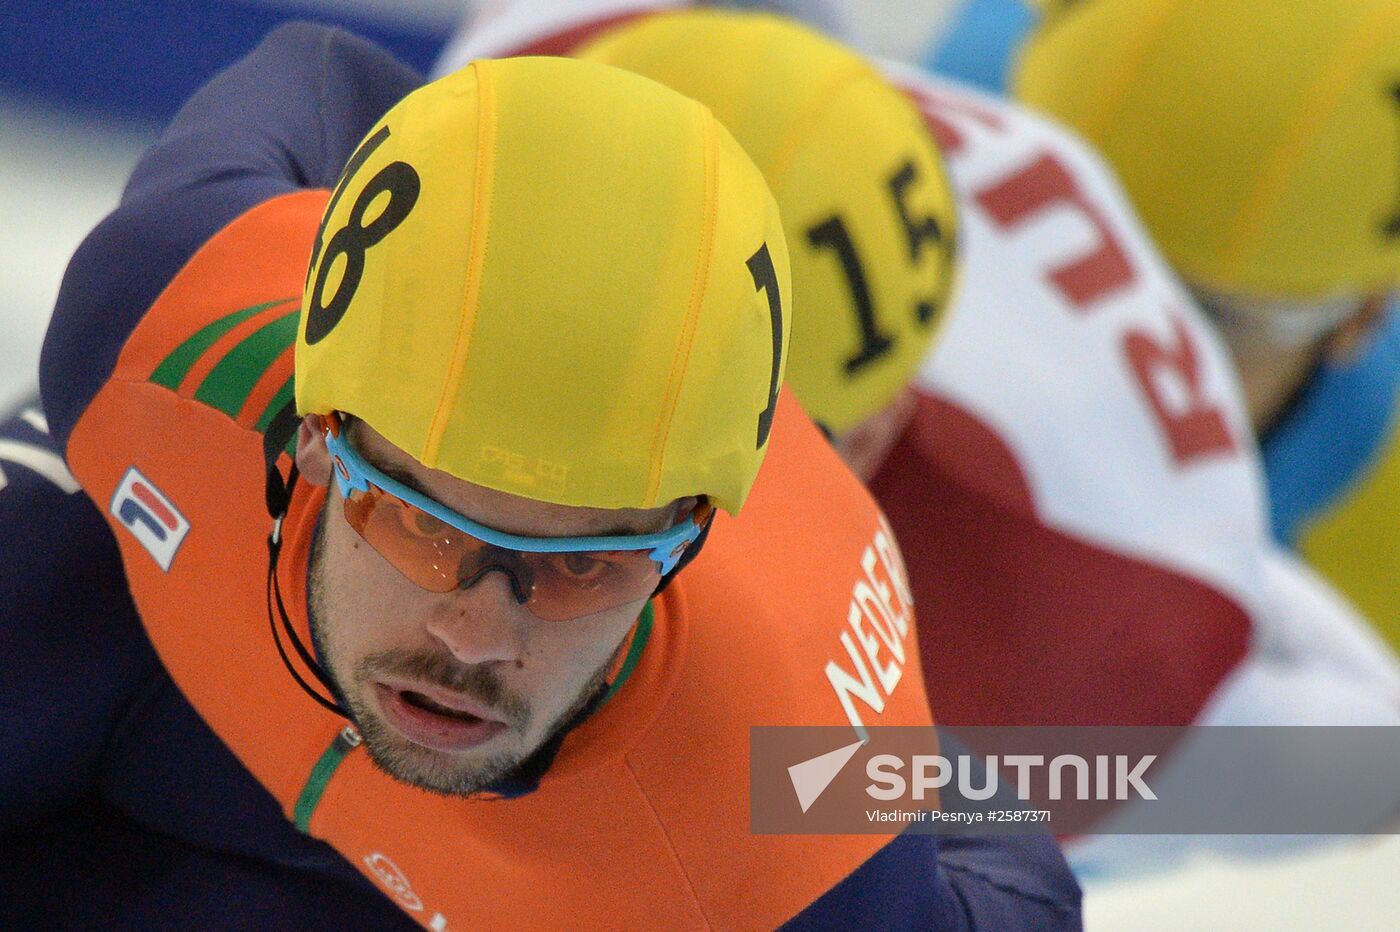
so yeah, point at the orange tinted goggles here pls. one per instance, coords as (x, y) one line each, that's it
(556, 578)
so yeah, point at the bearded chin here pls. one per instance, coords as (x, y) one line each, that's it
(509, 773)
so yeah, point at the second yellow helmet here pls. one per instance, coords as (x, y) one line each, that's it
(871, 221)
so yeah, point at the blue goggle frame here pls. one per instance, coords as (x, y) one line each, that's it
(354, 473)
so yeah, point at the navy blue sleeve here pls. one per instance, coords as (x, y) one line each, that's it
(953, 882)
(74, 649)
(287, 116)
(110, 783)
(94, 868)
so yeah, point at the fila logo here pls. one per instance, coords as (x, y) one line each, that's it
(389, 874)
(152, 518)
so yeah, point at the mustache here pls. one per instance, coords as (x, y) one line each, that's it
(476, 682)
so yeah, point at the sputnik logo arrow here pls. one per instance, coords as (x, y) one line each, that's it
(811, 777)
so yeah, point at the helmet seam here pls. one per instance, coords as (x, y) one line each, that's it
(681, 360)
(1281, 166)
(1116, 91)
(482, 202)
(819, 103)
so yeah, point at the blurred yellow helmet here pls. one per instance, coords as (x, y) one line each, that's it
(1259, 139)
(554, 279)
(868, 211)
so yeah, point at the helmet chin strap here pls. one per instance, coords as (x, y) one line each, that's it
(278, 493)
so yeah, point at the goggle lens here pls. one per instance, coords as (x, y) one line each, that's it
(438, 557)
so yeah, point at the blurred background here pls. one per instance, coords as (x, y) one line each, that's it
(85, 86)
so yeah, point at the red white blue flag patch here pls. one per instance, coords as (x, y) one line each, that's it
(151, 517)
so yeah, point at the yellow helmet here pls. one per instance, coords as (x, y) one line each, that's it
(864, 198)
(1259, 139)
(554, 279)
